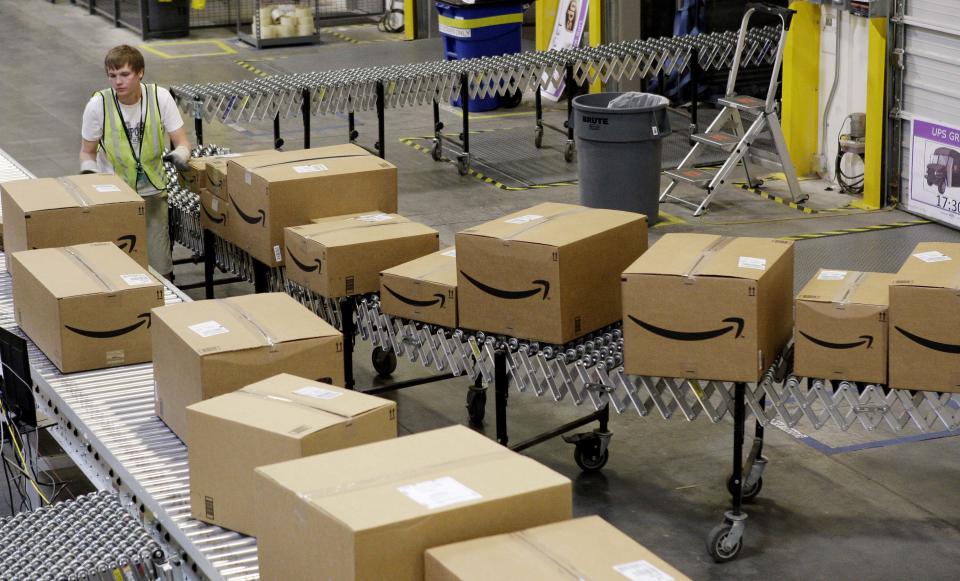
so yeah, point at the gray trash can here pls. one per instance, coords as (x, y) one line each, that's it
(619, 152)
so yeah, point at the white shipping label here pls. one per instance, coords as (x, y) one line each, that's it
(641, 571)
(276, 252)
(104, 188)
(313, 168)
(215, 204)
(751, 262)
(231, 155)
(247, 177)
(452, 252)
(523, 219)
(932, 256)
(457, 32)
(439, 493)
(318, 392)
(208, 329)
(136, 279)
(375, 217)
(832, 275)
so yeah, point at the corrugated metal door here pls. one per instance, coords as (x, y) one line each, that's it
(925, 97)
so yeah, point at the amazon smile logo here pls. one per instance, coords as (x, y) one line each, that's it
(867, 340)
(303, 266)
(128, 243)
(508, 294)
(144, 318)
(416, 303)
(249, 219)
(215, 219)
(693, 335)
(930, 343)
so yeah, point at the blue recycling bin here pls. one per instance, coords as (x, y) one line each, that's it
(481, 28)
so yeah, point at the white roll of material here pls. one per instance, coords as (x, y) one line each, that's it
(290, 21)
(306, 29)
(266, 15)
(268, 31)
(304, 13)
(286, 31)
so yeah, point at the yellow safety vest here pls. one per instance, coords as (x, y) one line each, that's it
(117, 145)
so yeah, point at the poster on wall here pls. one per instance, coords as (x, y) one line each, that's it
(934, 186)
(567, 32)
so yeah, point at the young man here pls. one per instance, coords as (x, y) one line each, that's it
(125, 129)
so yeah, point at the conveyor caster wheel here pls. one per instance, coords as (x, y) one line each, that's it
(725, 541)
(749, 492)
(463, 164)
(436, 152)
(538, 137)
(384, 362)
(588, 457)
(568, 152)
(476, 405)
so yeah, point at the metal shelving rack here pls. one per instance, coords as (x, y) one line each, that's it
(253, 38)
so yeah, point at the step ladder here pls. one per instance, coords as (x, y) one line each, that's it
(727, 133)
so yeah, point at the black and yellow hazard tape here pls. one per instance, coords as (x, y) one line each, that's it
(858, 230)
(785, 202)
(252, 68)
(334, 32)
(412, 142)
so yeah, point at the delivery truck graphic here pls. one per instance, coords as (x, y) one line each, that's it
(943, 170)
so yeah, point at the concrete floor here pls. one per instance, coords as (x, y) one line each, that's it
(884, 513)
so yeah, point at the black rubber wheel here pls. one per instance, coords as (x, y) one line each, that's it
(476, 405)
(942, 187)
(538, 137)
(384, 362)
(929, 183)
(588, 457)
(715, 540)
(568, 153)
(748, 494)
(463, 165)
(436, 152)
(512, 100)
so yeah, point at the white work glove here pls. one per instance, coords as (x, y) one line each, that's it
(179, 157)
(89, 166)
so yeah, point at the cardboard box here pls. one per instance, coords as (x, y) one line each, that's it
(841, 326)
(281, 418)
(924, 318)
(584, 548)
(708, 307)
(203, 349)
(273, 191)
(343, 255)
(210, 171)
(213, 212)
(370, 512)
(424, 289)
(55, 212)
(85, 306)
(548, 273)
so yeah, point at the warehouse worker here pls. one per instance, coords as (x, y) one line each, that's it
(133, 149)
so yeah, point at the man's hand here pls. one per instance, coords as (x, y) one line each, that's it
(179, 157)
(88, 166)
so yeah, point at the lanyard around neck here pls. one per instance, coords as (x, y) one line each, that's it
(126, 131)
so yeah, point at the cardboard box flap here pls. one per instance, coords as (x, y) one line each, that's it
(70, 192)
(710, 255)
(85, 269)
(848, 287)
(306, 168)
(243, 322)
(931, 264)
(289, 406)
(256, 160)
(297, 391)
(394, 481)
(359, 228)
(439, 267)
(552, 224)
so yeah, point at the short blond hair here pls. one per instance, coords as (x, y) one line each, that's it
(124, 54)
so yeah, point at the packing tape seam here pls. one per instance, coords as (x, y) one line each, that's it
(845, 294)
(428, 470)
(360, 224)
(705, 254)
(544, 551)
(546, 219)
(244, 315)
(76, 193)
(266, 165)
(274, 397)
(76, 256)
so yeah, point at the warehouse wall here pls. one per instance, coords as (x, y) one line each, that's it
(851, 96)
